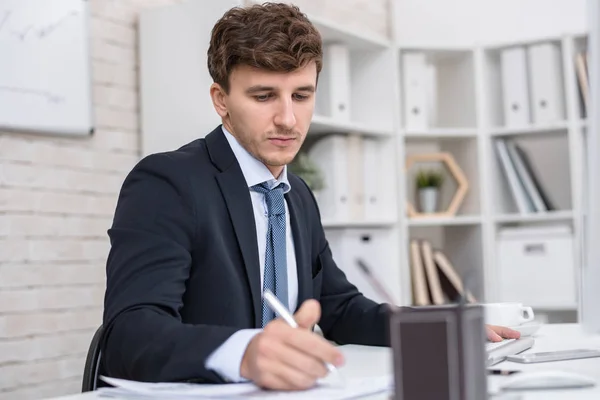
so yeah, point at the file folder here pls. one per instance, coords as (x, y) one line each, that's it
(547, 100)
(416, 88)
(333, 96)
(330, 155)
(515, 87)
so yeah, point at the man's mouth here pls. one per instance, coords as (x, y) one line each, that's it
(281, 141)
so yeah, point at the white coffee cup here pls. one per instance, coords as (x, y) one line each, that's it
(507, 314)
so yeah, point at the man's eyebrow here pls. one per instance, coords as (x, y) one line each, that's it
(259, 88)
(307, 88)
(262, 88)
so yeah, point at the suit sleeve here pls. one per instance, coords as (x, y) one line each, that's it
(151, 237)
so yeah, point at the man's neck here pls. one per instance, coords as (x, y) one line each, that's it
(275, 170)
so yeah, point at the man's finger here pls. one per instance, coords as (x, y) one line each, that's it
(280, 376)
(492, 335)
(505, 332)
(299, 360)
(308, 314)
(313, 344)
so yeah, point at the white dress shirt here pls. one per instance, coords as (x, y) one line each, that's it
(226, 359)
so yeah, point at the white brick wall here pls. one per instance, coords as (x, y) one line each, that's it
(57, 197)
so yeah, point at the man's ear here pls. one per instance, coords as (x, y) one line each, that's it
(219, 99)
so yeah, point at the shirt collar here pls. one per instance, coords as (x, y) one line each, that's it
(255, 171)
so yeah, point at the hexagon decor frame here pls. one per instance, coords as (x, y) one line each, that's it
(456, 172)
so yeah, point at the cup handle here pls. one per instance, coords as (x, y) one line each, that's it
(529, 314)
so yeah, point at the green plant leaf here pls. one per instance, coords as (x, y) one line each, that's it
(308, 171)
(426, 178)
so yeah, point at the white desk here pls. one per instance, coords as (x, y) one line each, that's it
(362, 361)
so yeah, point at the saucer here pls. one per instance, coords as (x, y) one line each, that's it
(527, 329)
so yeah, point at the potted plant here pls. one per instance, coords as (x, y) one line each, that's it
(306, 169)
(429, 183)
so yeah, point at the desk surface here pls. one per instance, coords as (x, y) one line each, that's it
(362, 361)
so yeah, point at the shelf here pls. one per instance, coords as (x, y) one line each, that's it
(436, 53)
(323, 125)
(560, 127)
(333, 32)
(446, 221)
(440, 133)
(357, 224)
(527, 42)
(549, 216)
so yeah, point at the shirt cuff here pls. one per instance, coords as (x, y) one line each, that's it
(227, 358)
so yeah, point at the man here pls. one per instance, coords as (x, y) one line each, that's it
(200, 232)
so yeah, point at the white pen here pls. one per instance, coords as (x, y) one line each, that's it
(284, 313)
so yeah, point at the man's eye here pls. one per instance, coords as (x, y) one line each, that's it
(300, 97)
(262, 97)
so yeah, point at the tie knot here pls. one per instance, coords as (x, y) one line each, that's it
(273, 196)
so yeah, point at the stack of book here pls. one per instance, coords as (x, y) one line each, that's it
(524, 185)
(435, 281)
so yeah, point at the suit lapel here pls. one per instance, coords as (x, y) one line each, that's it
(239, 204)
(300, 235)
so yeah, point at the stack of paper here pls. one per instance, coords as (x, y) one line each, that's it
(351, 389)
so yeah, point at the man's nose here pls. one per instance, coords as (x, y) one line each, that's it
(285, 117)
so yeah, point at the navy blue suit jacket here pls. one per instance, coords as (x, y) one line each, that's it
(183, 273)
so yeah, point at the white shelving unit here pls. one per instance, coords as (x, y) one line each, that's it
(470, 239)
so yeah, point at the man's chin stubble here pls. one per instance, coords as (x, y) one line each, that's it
(274, 163)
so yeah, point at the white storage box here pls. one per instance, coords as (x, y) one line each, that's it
(535, 266)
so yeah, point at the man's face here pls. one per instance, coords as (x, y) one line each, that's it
(268, 112)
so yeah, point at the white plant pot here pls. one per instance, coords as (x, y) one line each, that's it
(428, 199)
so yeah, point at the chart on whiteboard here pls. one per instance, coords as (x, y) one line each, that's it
(45, 82)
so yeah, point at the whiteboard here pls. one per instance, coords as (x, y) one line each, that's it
(45, 74)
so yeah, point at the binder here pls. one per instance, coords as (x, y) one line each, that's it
(333, 96)
(330, 155)
(515, 88)
(431, 94)
(373, 186)
(356, 177)
(416, 85)
(525, 160)
(518, 191)
(547, 95)
(526, 178)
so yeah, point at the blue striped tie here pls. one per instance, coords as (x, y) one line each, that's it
(275, 274)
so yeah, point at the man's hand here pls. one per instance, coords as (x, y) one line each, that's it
(286, 358)
(499, 333)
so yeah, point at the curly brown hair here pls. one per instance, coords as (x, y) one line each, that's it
(272, 36)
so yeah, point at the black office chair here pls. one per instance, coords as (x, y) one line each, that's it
(92, 363)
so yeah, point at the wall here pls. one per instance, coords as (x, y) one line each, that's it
(57, 197)
(469, 22)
